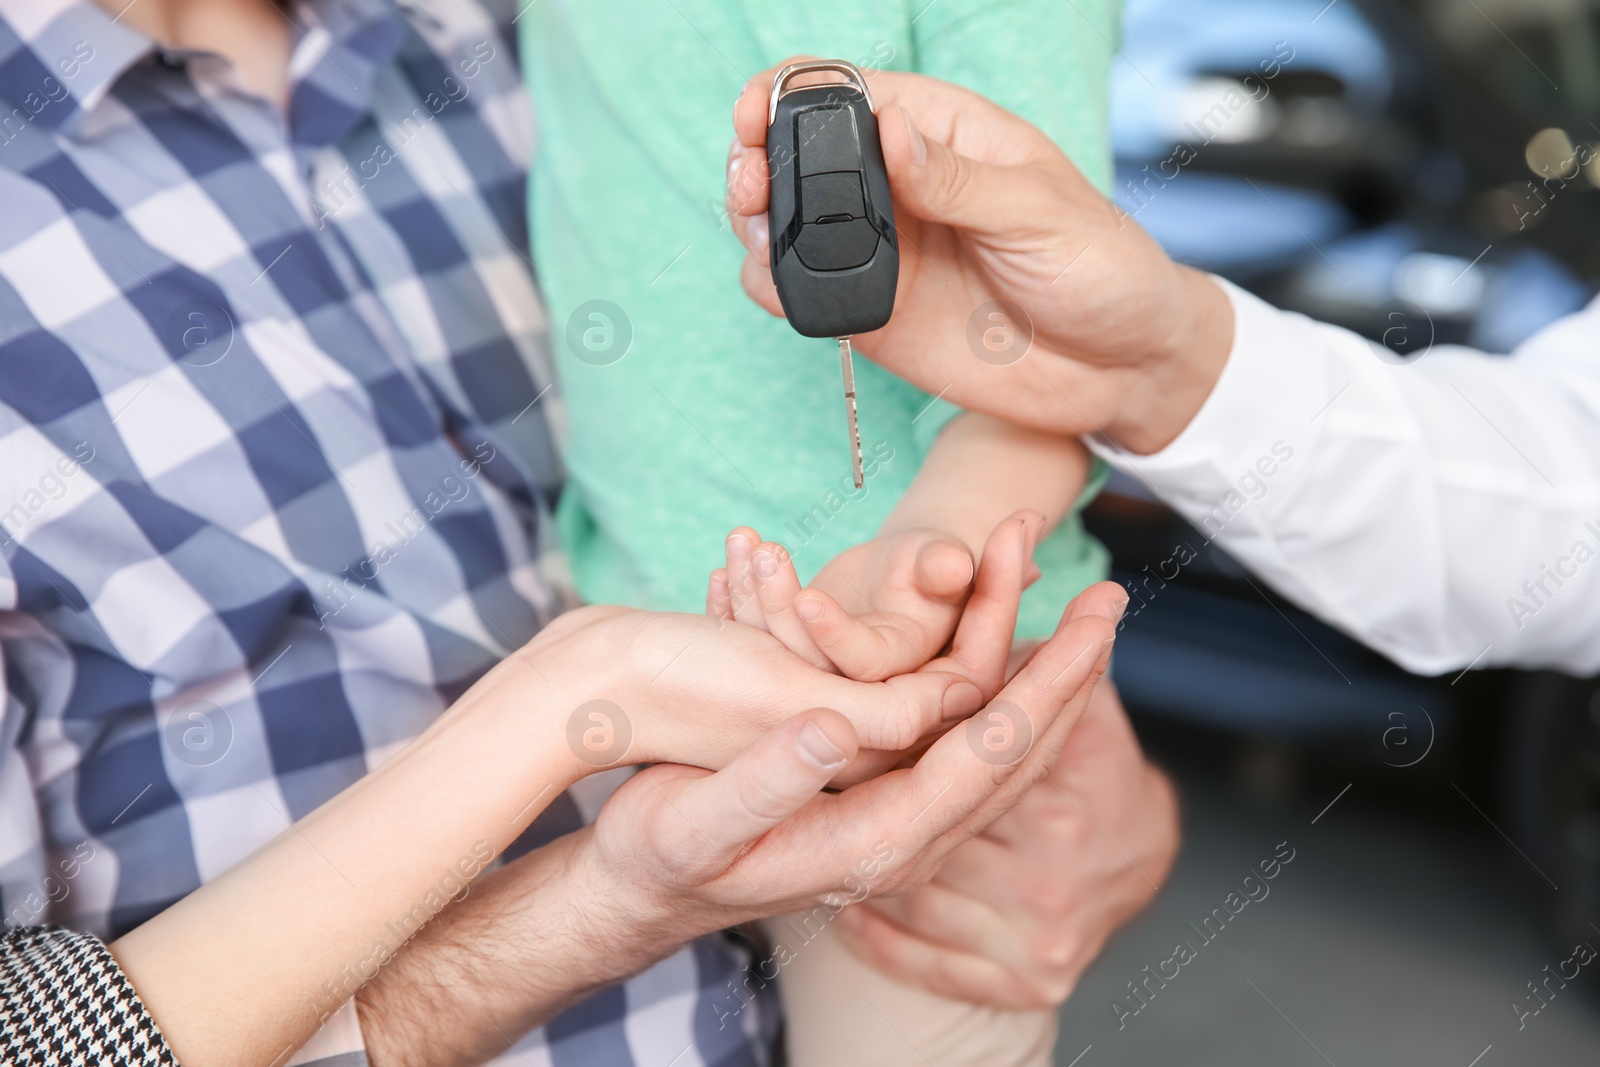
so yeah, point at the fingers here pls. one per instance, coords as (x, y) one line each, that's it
(895, 714)
(756, 279)
(948, 918)
(1106, 599)
(950, 113)
(963, 783)
(937, 183)
(719, 604)
(945, 972)
(705, 821)
(1016, 731)
(944, 570)
(887, 607)
(982, 644)
(750, 109)
(758, 588)
(776, 586)
(1021, 653)
(740, 547)
(870, 763)
(748, 183)
(860, 651)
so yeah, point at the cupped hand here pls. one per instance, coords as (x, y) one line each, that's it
(682, 851)
(1016, 915)
(988, 209)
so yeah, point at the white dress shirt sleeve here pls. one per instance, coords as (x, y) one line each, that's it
(1445, 512)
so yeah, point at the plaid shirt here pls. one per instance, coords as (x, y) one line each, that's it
(275, 462)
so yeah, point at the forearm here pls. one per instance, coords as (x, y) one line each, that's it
(246, 967)
(531, 939)
(1433, 511)
(981, 470)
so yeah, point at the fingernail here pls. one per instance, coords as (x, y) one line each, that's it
(960, 700)
(919, 147)
(735, 165)
(1115, 611)
(1036, 524)
(816, 749)
(757, 229)
(808, 608)
(738, 547)
(766, 564)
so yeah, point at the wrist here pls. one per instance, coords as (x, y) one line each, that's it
(1168, 389)
(529, 940)
(579, 688)
(630, 914)
(526, 703)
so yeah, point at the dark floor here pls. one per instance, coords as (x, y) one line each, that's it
(1402, 932)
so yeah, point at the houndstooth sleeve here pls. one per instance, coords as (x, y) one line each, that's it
(64, 1001)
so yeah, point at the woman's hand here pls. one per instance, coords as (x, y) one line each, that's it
(648, 687)
(988, 209)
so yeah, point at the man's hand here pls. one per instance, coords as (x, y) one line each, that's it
(1016, 915)
(678, 852)
(886, 606)
(757, 838)
(989, 209)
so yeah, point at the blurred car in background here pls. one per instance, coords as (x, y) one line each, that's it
(1409, 171)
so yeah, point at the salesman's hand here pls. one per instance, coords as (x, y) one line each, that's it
(682, 851)
(989, 209)
(1017, 914)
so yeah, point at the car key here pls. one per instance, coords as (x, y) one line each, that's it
(835, 256)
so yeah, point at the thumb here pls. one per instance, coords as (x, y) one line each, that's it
(937, 183)
(707, 821)
(944, 569)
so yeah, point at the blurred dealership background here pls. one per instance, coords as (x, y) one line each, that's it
(1424, 172)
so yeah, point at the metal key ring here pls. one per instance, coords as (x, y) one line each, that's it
(837, 66)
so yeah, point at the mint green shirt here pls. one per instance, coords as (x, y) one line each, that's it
(690, 410)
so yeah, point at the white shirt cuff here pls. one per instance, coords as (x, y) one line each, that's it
(1279, 378)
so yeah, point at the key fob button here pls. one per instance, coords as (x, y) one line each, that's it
(827, 140)
(832, 197)
(836, 245)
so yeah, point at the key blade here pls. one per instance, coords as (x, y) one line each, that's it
(848, 367)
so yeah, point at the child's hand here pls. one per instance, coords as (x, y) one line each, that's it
(882, 608)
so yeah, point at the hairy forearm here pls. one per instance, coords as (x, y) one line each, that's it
(531, 939)
(983, 469)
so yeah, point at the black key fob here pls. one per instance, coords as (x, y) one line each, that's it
(835, 257)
